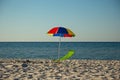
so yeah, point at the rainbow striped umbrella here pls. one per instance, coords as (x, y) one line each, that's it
(60, 32)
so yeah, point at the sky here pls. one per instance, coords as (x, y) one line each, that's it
(30, 20)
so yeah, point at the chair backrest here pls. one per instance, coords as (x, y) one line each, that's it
(68, 55)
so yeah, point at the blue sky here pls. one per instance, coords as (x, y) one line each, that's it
(29, 20)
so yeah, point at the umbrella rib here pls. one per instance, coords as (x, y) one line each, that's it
(56, 30)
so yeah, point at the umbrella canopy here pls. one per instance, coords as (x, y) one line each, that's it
(61, 32)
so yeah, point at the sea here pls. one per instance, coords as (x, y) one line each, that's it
(49, 50)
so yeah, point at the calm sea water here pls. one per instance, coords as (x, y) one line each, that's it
(48, 50)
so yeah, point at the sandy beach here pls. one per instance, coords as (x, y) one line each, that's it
(43, 69)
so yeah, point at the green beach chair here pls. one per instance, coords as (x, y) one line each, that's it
(67, 56)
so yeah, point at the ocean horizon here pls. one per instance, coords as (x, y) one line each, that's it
(49, 50)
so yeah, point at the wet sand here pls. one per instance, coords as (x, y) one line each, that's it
(43, 69)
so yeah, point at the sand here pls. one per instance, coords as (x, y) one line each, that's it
(43, 69)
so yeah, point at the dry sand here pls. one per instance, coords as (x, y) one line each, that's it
(41, 69)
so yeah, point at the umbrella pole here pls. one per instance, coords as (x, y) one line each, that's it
(59, 47)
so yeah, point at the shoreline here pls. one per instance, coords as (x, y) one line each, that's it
(46, 69)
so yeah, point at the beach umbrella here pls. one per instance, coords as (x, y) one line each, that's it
(60, 32)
